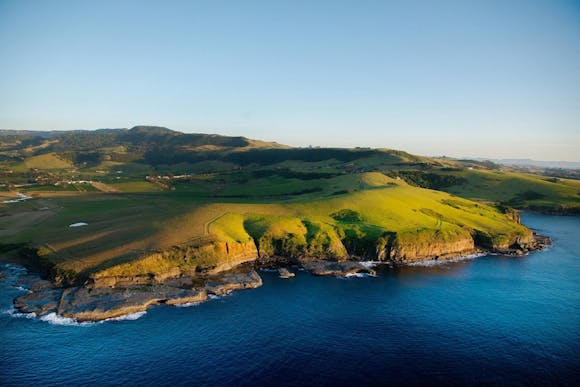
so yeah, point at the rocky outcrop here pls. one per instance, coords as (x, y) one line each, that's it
(84, 304)
(225, 283)
(89, 303)
(42, 299)
(285, 273)
(524, 245)
(337, 269)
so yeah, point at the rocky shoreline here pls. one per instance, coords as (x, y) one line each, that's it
(97, 301)
(89, 303)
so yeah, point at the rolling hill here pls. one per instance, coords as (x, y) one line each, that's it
(159, 202)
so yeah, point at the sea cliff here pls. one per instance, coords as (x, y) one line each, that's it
(193, 273)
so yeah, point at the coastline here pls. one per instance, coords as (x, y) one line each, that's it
(88, 303)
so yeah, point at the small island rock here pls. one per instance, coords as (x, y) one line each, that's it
(285, 273)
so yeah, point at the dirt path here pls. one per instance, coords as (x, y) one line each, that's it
(104, 187)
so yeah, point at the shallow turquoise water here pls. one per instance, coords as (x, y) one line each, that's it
(493, 320)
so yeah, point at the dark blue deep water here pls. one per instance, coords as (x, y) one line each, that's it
(492, 320)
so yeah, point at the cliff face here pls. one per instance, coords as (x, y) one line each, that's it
(523, 239)
(206, 259)
(405, 251)
(413, 246)
(219, 256)
(298, 241)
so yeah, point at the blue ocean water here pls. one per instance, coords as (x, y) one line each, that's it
(491, 320)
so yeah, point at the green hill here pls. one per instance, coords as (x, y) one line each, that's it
(157, 201)
(206, 165)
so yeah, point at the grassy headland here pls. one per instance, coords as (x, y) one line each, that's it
(157, 201)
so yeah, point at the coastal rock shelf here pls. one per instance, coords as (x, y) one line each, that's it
(89, 303)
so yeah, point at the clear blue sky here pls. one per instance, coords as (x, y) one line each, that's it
(460, 78)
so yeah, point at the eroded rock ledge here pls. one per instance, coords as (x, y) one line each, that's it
(90, 303)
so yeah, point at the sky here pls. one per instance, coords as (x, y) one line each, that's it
(486, 78)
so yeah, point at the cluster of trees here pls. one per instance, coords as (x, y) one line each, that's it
(290, 174)
(428, 179)
(168, 154)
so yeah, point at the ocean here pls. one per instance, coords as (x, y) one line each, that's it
(487, 320)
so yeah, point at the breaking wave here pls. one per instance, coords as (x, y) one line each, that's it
(14, 313)
(22, 289)
(357, 275)
(55, 319)
(128, 317)
(371, 264)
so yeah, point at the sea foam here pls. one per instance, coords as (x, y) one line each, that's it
(14, 313)
(127, 317)
(55, 319)
(370, 264)
(22, 289)
(357, 275)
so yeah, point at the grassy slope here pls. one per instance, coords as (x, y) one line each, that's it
(518, 189)
(125, 227)
(47, 161)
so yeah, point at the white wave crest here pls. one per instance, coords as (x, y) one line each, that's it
(11, 266)
(14, 313)
(13, 271)
(358, 275)
(128, 317)
(370, 264)
(55, 319)
(22, 289)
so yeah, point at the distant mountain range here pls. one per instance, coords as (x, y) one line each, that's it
(533, 163)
